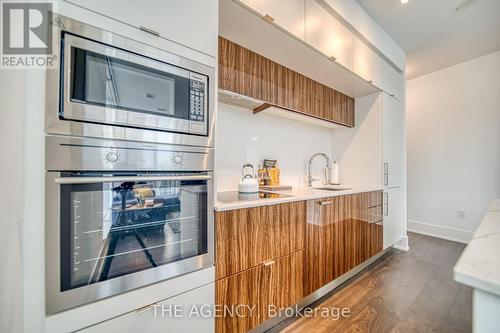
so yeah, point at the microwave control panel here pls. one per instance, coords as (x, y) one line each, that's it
(197, 101)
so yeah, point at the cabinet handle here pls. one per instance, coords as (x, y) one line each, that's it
(324, 203)
(386, 174)
(146, 308)
(149, 31)
(269, 263)
(386, 204)
(268, 18)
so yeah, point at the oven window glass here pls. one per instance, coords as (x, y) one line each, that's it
(101, 80)
(113, 229)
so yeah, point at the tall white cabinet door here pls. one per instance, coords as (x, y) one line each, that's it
(288, 14)
(190, 23)
(393, 141)
(327, 34)
(393, 216)
(174, 315)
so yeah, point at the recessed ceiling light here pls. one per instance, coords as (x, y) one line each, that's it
(404, 1)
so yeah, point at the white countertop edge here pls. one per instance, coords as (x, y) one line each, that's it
(299, 194)
(475, 282)
(479, 265)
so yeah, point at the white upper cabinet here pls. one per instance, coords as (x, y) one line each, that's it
(366, 63)
(393, 81)
(325, 33)
(288, 14)
(315, 22)
(190, 23)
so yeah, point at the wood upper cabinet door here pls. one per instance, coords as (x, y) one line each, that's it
(248, 73)
(258, 291)
(245, 238)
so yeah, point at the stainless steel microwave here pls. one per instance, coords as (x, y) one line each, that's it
(113, 87)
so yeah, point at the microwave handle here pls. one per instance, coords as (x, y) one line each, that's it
(90, 180)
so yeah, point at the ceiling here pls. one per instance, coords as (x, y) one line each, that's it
(433, 35)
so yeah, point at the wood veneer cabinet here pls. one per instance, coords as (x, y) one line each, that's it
(341, 233)
(247, 73)
(248, 237)
(259, 262)
(262, 289)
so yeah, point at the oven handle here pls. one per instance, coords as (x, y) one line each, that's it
(90, 180)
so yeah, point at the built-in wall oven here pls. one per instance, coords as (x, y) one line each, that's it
(113, 87)
(121, 215)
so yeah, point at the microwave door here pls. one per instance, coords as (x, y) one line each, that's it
(111, 86)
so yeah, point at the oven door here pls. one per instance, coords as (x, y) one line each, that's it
(109, 85)
(109, 233)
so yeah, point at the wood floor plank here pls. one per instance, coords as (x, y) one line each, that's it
(405, 292)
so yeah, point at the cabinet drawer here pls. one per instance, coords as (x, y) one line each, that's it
(157, 318)
(257, 291)
(245, 238)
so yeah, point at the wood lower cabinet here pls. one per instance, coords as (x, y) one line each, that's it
(270, 257)
(247, 73)
(341, 233)
(254, 294)
(248, 237)
(259, 262)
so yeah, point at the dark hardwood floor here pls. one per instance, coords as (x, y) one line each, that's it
(401, 292)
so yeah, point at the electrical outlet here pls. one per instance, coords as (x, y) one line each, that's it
(461, 214)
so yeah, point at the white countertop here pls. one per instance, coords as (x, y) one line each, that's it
(479, 264)
(296, 194)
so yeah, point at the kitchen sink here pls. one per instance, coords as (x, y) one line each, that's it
(330, 188)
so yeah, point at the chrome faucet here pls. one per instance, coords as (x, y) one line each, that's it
(328, 169)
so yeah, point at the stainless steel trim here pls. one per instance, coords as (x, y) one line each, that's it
(90, 180)
(55, 125)
(143, 28)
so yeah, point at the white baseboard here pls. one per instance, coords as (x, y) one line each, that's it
(452, 234)
(402, 244)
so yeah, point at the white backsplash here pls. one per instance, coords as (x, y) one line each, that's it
(243, 137)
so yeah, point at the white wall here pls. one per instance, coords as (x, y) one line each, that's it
(453, 128)
(244, 137)
(11, 173)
